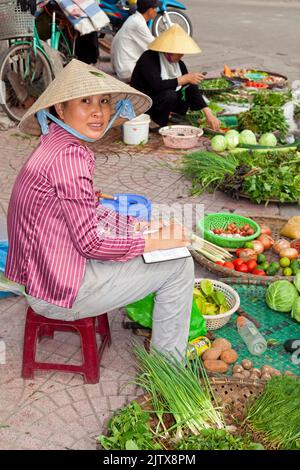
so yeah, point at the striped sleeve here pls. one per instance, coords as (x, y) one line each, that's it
(105, 237)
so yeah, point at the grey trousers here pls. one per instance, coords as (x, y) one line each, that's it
(109, 285)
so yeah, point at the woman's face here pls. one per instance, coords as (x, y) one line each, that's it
(175, 57)
(89, 115)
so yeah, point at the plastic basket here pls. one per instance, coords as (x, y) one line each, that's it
(14, 22)
(214, 322)
(181, 137)
(221, 220)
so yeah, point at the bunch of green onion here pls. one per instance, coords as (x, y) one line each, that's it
(175, 388)
(207, 169)
(276, 413)
(208, 249)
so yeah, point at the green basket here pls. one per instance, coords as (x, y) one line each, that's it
(221, 220)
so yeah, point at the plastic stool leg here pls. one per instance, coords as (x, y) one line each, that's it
(45, 331)
(91, 366)
(29, 350)
(103, 328)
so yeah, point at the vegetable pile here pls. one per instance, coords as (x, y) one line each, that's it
(215, 84)
(209, 300)
(247, 172)
(219, 357)
(233, 230)
(276, 413)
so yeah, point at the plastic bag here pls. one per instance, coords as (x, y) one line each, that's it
(292, 228)
(141, 312)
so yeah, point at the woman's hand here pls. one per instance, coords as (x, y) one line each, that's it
(212, 121)
(171, 236)
(192, 78)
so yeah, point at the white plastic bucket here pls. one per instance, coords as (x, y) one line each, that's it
(136, 131)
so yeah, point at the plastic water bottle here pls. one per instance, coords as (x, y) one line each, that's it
(255, 342)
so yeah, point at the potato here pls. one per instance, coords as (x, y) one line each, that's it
(237, 375)
(213, 353)
(229, 356)
(256, 372)
(246, 373)
(246, 364)
(266, 369)
(221, 343)
(215, 365)
(274, 372)
(254, 376)
(265, 376)
(237, 369)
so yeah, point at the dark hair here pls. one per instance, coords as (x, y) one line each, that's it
(144, 5)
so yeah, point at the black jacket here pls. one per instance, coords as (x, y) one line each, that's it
(146, 75)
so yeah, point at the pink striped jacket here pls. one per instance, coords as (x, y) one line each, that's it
(53, 224)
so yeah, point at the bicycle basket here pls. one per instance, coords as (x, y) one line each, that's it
(14, 22)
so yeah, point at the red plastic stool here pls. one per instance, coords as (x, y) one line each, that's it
(38, 326)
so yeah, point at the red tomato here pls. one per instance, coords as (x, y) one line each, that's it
(228, 264)
(238, 252)
(251, 264)
(243, 268)
(220, 263)
(238, 262)
(258, 272)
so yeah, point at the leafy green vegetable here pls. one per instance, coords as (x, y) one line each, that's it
(271, 98)
(268, 139)
(217, 439)
(262, 119)
(297, 277)
(296, 310)
(276, 413)
(215, 84)
(281, 295)
(129, 430)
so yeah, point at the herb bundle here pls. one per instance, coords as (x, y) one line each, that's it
(260, 175)
(276, 413)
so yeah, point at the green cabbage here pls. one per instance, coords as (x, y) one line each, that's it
(268, 139)
(218, 143)
(281, 296)
(247, 137)
(296, 310)
(232, 140)
(297, 281)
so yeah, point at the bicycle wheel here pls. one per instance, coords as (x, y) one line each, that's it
(24, 75)
(176, 16)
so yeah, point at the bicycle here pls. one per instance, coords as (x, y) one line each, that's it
(30, 64)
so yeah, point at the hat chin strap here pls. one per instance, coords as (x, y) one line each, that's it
(124, 109)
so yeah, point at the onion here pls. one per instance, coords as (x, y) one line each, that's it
(265, 230)
(281, 244)
(290, 253)
(258, 247)
(247, 253)
(266, 240)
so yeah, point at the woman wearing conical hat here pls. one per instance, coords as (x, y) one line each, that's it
(74, 260)
(161, 74)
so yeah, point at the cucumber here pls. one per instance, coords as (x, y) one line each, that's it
(239, 150)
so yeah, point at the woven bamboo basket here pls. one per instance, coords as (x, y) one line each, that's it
(275, 223)
(232, 395)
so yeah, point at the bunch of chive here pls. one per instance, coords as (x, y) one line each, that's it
(276, 413)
